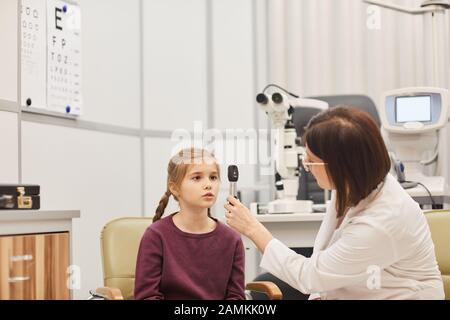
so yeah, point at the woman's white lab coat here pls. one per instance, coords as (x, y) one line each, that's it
(381, 250)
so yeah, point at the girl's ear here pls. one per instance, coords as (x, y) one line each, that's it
(173, 189)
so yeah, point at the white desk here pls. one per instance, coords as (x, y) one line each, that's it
(297, 230)
(437, 187)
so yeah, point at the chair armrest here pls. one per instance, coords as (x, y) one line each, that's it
(266, 287)
(109, 293)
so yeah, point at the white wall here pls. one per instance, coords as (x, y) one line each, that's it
(9, 166)
(110, 62)
(158, 151)
(9, 132)
(174, 48)
(232, 44)
(8, 53)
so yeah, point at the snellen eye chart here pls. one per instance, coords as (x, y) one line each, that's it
(51, 56)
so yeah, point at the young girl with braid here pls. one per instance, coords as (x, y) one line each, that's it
(189, 254)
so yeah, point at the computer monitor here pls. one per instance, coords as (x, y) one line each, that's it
(414, 110)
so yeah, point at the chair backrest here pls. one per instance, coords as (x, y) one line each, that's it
(302, 115)
(361, 102)
(439, 223)
(120, 239)
(309, 189)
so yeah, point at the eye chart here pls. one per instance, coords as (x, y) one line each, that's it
(51, 56)
(63, 57)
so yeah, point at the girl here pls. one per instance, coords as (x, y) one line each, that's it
(189, 254)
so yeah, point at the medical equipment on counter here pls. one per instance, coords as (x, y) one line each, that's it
(279, 106)
(414, 125)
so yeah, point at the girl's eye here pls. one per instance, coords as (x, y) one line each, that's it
(214, 178)
(195, 178)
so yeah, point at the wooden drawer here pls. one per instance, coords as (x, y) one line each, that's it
(34, 266)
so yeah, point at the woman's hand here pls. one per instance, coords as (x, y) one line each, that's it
(243, 221)
(239, 217)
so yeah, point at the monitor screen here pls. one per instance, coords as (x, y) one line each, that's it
(413, 109)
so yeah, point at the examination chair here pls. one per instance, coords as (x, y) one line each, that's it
(439, 223)
(120, 239)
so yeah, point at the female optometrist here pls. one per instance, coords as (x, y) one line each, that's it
(374, 241)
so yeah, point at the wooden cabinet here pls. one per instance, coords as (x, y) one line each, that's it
(34, 266)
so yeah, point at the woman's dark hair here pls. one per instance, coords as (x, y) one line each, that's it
(176, 171)
(350, 142)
